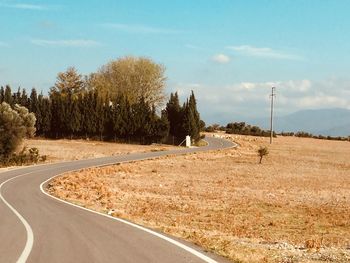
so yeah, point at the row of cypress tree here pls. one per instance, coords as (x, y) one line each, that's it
(88, 115)
(184, 120)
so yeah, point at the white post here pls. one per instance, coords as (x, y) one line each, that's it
(188, 141)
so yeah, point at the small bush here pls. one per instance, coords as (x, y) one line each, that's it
(262, 151)
(34, 155)
(200, 143)
(43, 158)
(24, 157)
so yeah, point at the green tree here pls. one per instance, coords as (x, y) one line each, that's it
(191, 124)
(89, 116)
(8, 95)
(34, 107)
(45, 109)
(119, 117)
(187, 121)
(125, 114)
(174, 115)
(184, 120)
(2, 94)
(24, 99)
(196, 121)
(141, 120)
(16, 97)
(58, 114)
(101, 115)
(73, 122)
(162, 126)
(202, 126)
(115, 118)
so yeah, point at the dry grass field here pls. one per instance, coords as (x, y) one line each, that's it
(70, 150)
(294, 207)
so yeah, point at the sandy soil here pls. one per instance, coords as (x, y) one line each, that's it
(69, 150)
(295, 207)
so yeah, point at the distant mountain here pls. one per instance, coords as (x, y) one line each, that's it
(338, 131)
(333, 122)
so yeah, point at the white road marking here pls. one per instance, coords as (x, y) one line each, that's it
(30, 236)
(172, 241)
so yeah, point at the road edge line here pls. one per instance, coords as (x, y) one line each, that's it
(30, 236)
(147, 230)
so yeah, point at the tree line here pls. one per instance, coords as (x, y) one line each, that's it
(246, 129)
(240, 128)
(303, 134)
(97, 107)
(88, 115)
(184, 120)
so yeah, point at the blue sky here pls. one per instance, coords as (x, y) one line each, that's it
(229, 52)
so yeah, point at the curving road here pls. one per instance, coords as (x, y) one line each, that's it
(35, 227)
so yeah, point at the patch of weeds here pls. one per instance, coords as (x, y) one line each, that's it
(24, 157)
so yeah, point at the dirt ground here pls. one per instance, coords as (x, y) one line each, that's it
(294, 207)
(70, 150)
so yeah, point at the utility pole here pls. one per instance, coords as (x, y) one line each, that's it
(273, 94)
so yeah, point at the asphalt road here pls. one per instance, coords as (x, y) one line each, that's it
(35, 227)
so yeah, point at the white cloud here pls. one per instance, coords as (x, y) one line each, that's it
(323, 101)
(24, 6)
(221, 58)
(245, 100)
(66, 43)
(291, 86)
(264, 52)
(298, 86)
(247, 86)
(143, 29)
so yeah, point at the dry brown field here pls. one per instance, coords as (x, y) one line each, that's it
(294, 207)
(70, 150)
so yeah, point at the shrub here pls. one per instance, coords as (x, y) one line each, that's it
(23, 157)
(262, 151)
(15, 124)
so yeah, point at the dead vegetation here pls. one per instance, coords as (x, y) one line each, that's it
(295, 207)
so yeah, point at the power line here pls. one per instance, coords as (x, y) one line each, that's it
(272, 96)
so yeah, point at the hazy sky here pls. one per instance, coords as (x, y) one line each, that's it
(229, 52)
